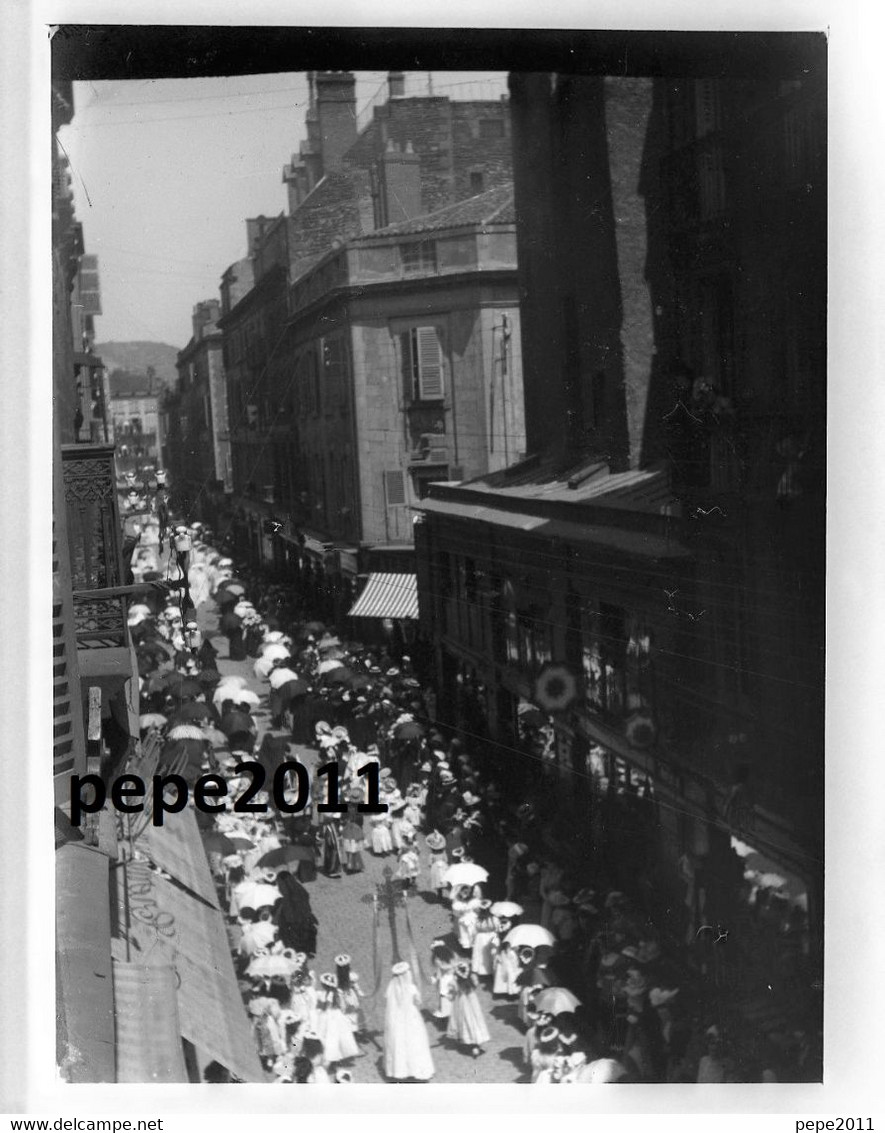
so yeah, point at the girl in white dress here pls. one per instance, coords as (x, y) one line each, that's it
(333, 1026)
(467, 1024)
(351, 993)
(485, 941)
(303, 993)
(439, 863)
(381, 841)
(443, 959)
(406, 1045)
(464, 913)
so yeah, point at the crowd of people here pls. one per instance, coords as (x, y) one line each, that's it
(594, 987)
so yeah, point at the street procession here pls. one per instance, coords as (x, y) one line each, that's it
(439, 515)
(446, 927)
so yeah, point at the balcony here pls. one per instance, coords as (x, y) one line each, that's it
(94, 545)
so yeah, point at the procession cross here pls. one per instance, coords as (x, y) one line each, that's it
(390, 896)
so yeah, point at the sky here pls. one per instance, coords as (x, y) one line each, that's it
(166, 171)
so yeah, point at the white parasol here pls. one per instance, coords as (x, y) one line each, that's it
(465, 873)
(528, 935)
(280, 677)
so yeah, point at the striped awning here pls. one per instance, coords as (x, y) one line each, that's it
(387, 596)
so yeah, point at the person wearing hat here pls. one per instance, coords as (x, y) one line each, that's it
(351, 993)
(506, 966)
(408, 867)
(311, 1067)
(485, 942)
(329, 824)
(382, 844)
(407, 1054)
(439, 863)
(352, 837)
(333, 1025)
(467, 1024)
(544, 1053)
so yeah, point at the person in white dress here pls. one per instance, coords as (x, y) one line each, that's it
(333, 1025)
(406, 1045)
(485, 941)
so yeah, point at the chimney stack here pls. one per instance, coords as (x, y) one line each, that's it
(396, 84)
(400, 183)
(336, 115)
(205, 315)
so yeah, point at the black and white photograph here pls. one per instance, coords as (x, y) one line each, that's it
(439, 556)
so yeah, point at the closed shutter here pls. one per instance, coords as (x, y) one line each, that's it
(394, 488)
(425, 342)
(69, 752)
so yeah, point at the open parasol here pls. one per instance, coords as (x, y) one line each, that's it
(245, 696)
(181, 685)
(281, 676)
(154, 648)
(216, 842)
(152, 720)
(531, 935)
(234, 722)
(192, 713)
(257, 895)
(328, 666)
(408, 730)
(291, 690)
(269, 964)
(186, 732)
(339, 676)
(328, 641)
(506, 909)
(465, 873)
(359, 681)
(554, 1000)
(281, 856)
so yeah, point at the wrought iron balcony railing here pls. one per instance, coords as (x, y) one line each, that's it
(94, 546)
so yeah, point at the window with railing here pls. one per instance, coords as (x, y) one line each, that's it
(93, 530)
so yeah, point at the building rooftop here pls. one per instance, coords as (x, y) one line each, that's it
(495, 206)
(584, 481)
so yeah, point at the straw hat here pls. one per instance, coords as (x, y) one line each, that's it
(342, 960)
(328, 980)
(400, 968)
(435, 841)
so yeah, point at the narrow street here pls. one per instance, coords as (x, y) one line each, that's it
(343, 907)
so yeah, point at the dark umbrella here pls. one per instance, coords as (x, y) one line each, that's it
(233, 722)
(219, 843)
(192, 713)
(157, 683)
(338, 676)
(154, 648)
(181, 686)
(282, 855)
(408, 730)
(291, 690)
(209, 678)
(359, 681)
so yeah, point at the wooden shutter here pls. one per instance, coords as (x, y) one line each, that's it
(430, 371)
(394, 488)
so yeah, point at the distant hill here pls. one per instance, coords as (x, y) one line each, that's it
(135, 357)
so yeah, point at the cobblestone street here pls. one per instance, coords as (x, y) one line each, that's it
(343, 907)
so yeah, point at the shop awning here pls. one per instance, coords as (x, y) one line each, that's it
(84, 994)
(177, 848)
(148, 1030)
(167, 924)
(387, 596)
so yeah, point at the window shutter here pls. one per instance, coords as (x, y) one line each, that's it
(430, 371)
(394, 488)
